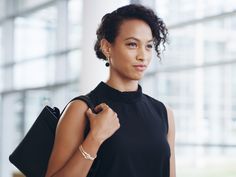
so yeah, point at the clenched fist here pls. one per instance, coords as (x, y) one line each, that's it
(104, 124)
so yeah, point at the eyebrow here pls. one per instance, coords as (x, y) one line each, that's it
(136, 39)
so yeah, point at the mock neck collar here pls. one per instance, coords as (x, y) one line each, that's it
(113, 94)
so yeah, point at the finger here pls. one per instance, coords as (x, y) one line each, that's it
(117, 119)
(101, 107)
(118, 125)
(89, 113)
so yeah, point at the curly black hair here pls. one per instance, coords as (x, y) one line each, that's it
(111, 22)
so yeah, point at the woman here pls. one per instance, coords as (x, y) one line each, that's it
(132, 134)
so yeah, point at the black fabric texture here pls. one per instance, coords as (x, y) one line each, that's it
(140, 147)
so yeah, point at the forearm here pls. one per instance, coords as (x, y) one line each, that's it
(77, 165)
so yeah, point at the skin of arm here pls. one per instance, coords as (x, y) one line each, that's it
(66, 159)
(171, 141)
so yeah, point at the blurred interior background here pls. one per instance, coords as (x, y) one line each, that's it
(47, 57)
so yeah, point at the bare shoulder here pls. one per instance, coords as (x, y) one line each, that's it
(72, 122)
(76, 106)
(73, 116)
(74, 109)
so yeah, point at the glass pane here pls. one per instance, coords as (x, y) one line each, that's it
(1, 47)
(67, 67)
(177, 90)
(23, 4)
(219, 88)
(148, 86)
(2, 13)
(30, 74)
(212, 7)
(74, 65)
(12, 128)
(35, 35)
(121, 3)
(35, 102)
(37, 99)
(61, 71)
(204, 106)
(177, 11)
(13, 120)
(181, 48)
(205, 161)
(75, 22)
(60, 96)
(196, 81)
(218, 41)
(72, 90)
(6, 78)
(1, 79)
(47, 71)
(204, 103)
(208, 42)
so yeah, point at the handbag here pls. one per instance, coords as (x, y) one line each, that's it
(31, 156)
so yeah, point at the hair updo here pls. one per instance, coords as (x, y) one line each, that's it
(111, 22)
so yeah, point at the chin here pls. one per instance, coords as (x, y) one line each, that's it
(137, 77)
(134, 76)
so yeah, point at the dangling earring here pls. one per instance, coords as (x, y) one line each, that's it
(107, 62)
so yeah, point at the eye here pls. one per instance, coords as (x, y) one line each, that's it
(132, 45)
(149, 46)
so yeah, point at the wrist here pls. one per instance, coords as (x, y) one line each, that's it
(85, 154)
(90, 145)
(94, 139)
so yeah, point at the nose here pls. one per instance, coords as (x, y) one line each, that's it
(142, 54)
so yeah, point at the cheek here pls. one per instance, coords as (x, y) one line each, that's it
(129, 56)
(124, 56)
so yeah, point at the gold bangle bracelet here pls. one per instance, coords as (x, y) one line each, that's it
(85, 154)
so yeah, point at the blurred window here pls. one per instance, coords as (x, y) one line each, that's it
(196, 77)
(35, 34)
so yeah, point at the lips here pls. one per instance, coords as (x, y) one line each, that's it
(140, 67)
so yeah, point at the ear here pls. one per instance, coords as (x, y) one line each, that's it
(105, 47)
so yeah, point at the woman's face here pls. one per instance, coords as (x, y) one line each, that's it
(131, 52)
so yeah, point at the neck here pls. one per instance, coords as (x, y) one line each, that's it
(123, 85)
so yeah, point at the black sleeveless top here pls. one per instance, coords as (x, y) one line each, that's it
(139, 148)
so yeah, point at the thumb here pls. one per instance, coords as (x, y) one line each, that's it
(89, 113)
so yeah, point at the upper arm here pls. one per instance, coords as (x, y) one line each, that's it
(171, 129)
(69, 135)
(171, 140)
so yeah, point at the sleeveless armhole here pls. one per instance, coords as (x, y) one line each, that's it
(165, 116)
